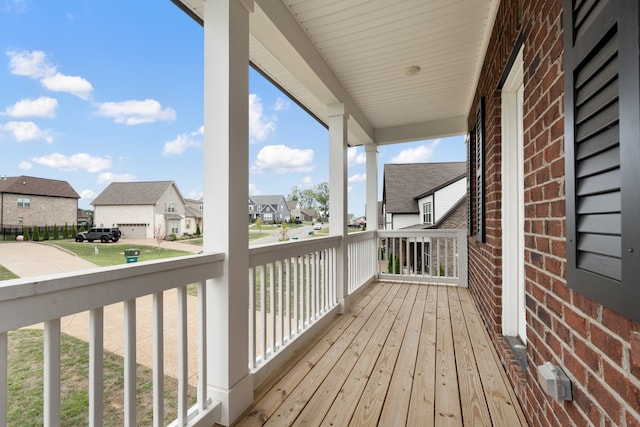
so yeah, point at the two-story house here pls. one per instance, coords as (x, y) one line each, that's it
(271, 209)
(193, 215)
(141, 209)
(31, 201)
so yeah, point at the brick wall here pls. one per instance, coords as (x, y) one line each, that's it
(43, 210)
(598, 349)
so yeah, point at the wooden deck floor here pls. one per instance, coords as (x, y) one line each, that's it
(406, 355)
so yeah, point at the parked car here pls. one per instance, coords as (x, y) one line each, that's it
(105, 235)
(317, 227)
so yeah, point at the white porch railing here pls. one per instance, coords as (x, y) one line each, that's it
(291, 286)
(25, 302)
(434, 256)
(363, 264)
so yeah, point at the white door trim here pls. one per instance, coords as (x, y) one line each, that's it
(513, 283)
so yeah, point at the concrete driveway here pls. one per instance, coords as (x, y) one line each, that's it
(27, 259)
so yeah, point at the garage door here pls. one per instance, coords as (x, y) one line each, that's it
(133, 231)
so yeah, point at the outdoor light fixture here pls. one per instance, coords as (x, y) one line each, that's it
(412, 70)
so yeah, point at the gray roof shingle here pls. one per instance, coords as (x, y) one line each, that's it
(132, 193)
(29, 185)
(403, 182)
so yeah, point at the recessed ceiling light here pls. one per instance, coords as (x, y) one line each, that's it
(412, 70)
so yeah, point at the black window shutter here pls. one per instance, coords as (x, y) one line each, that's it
(602, 149)
(467, 142)
(479, 178)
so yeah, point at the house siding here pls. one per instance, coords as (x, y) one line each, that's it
(598, 349)
(115, 216)
(447, 197)
(44, 210)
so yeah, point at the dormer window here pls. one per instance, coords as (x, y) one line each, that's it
(427, 215)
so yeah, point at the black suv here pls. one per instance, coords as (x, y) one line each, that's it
(103, 234)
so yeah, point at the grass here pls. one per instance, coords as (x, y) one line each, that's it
(6, 274)
(255, 235)
(113, 254)
(25, 404)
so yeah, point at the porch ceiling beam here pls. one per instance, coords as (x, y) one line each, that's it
(274, 26)
(420, 131)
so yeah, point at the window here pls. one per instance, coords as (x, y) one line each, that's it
(187, 225)
(267, 217)
(200, 207)
(174, 226)
(427, 217)
(250, 208)
(171, 207)
(602, 128)
(24, 202)
(259, 207)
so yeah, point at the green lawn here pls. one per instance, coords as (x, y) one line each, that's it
(25, 404)
(113, 254)
(6, 274)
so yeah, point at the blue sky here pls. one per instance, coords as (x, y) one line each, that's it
(93, 92)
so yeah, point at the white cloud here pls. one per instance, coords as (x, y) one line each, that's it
(359, 177)
(74, 85)
(419, 154)
(35, 66)
(307, 181)
(88, 194)
(355, 157)
(79, 161)
(260, 127)
(26, 131)
(30, 64)
(135, 112)
(180, 144)
(41, 107)
(25, 166)
(14, 6)
(253, 190)
(108, 177)
(282, 159)
(349, 189)
(195, 195)
(281, 104)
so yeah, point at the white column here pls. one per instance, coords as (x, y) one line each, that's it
(226, 181)
(338, 195)
(372, 186)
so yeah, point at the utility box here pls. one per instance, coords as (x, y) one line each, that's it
(131, 255)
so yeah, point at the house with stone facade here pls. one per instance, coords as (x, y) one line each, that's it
(31, 201)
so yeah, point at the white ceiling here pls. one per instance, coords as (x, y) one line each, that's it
(356, 52)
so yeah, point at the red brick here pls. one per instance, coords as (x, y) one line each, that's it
(634, 354)
(621, 384)
(616, 323)
(611, 346)
(575, 321)
(609, 403)
(588, 355)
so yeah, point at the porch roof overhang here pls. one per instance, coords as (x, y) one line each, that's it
(360, 53)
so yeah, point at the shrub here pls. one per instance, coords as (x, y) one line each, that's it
(56, 232)
(197, 229)
(25, 233)
(36, 234)
(65, 231)
(45, 235)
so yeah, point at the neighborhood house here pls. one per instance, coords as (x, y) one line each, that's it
(141, 209)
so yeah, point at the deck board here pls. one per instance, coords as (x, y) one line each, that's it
(406, 354)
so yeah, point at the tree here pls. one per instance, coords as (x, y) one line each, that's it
(283, 232)
(56, 232)
(36, 234)
(45, 235)
(259, 224)
(65, 231)
(159, 235)
(322, 198)
(198, 232)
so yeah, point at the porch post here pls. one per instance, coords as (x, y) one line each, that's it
(226, 182)
(338, 196)
(372, 186)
